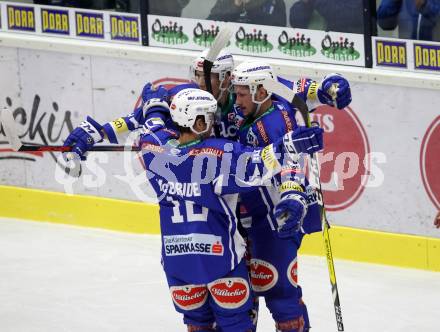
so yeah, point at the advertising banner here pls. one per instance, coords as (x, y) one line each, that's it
(405, 54)
(259, 40)
(71, 22)
(379, 169)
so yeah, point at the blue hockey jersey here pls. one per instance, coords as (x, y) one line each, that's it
(258, 204)
(196, 186)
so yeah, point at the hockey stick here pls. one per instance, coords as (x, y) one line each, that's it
(10, 130)
(290, 95)
(220, 42)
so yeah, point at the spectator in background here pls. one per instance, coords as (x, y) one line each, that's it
(416, 19)
(266, 12)
(437, 220)
(167, 7)
(341, 16)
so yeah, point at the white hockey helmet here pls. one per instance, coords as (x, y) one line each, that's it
(222, 65)
(190, 103)
(252, 74)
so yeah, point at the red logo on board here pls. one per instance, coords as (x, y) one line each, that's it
(430, 162)
(345, 159)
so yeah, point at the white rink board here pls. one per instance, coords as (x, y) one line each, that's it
(395, 120)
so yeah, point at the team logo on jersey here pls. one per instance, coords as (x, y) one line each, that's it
(339, 50)
(189, 297)
(292, 272)
(345, 161)
(430, 162)
(229, 293)
(263, 275)
(169, 33)
(254, 41)
(298, 46)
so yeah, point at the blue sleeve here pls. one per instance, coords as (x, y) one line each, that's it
(244, 168)
(300, 14)
(306, 89)
(431, 9)
(387, 14)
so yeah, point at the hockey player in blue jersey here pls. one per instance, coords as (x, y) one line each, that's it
(196, 180)
(274, 252)
(153, 113)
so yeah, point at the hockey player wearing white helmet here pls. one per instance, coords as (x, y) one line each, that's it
(220, 74)
(202, 251)
(275, 240)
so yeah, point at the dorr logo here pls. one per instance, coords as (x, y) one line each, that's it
(204, 37)
(263, 275)
(339, 50)
(89, 24)
(430, 162)
(254, 42)
(229, 293)
(189, 297)
(169, 33)
(297, 46)
(124, 27)
(21, 18)
(345, 162)
(55, 21)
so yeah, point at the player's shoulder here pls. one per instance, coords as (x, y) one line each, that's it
(160, 137)
(218, 143)
(214, 147)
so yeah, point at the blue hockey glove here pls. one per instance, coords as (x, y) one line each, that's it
(154, 100)
(290, 213)
(304, 140)
(82, 139)
(335, 91)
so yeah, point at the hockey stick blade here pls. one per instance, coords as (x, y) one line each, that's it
(279, 89)
(10, 130)
(220, 41)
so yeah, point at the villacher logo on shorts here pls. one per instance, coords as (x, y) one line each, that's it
(189, 297)
(263, 275)
(430, 161)
(345, 161)
(229, 293)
